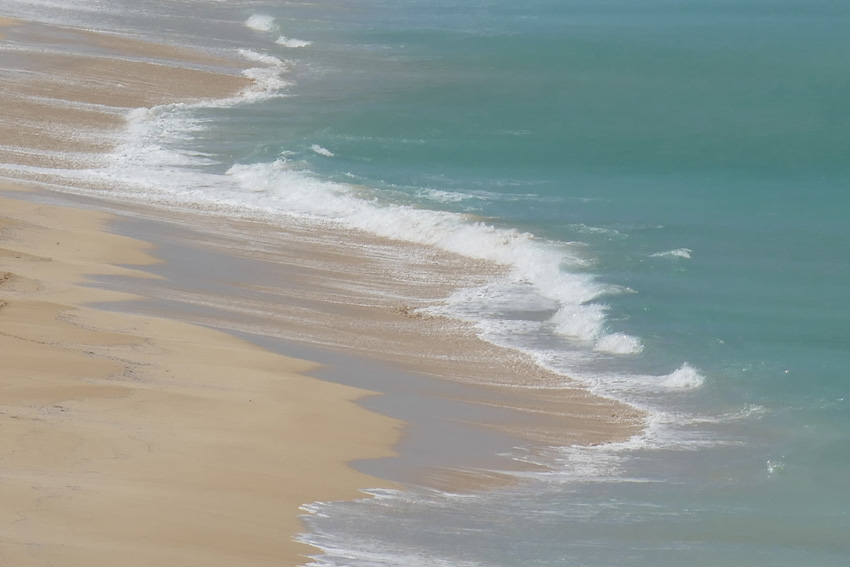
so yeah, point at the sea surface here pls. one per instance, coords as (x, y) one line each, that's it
(668, 182)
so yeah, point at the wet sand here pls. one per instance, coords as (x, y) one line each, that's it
(139, 441)
(295, 292)
(66, 92)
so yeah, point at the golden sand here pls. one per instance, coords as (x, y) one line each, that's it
(140, 441)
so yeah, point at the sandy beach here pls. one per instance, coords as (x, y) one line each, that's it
(135, 440)
(140, 441)
(149, 438)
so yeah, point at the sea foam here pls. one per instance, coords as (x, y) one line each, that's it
(321, 151)
(536, 268)
(266, 80)
(292, 42)
(619, 343)
(260, 22)
(685, 377)
(677, 253)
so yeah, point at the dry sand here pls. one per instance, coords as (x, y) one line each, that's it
(130, 440)
(139, 441)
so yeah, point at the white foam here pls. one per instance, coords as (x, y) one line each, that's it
(775, 467)
(580, 463)
(342, 548)
(292, 42)
(264, 58)
(296, 192)
(608, 462)
(345, 545)
(580, 321)
(321, 151)
(444, 196)
(748, 412)
(581, 227)
(677, 253)
(626, 386)
(260, 22)
(267, 81)
(537, 268)
(619, 343)
(685, 377)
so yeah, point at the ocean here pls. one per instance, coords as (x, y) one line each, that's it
(666, 183)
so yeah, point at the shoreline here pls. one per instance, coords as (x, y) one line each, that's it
(129, 436)
(290, 287)
(310, 308)
(248, 279)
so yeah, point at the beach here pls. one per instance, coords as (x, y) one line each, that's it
(138, 440)
(417, 284)
(141, 434)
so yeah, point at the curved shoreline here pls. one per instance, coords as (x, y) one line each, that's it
(338, 296)
(146, 439)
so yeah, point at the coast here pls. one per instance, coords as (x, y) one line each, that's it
(151, 437)
(141, 441)
(137, 440)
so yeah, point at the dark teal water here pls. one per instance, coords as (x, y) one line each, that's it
(683, 167)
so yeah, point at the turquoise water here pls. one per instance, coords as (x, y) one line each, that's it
(683, 167)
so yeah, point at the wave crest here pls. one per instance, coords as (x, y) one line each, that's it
(260, 22)
(292, 42)
(619, 343)
(685, 377)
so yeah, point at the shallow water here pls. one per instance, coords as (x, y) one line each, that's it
(666, 182)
